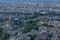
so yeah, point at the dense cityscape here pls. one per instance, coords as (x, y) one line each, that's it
(30, 21)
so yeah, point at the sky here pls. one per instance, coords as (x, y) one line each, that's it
(13, 1)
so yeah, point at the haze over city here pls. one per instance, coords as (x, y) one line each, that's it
(15, 1)
(29, 19)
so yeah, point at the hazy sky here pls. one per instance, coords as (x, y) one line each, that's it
(12, 1)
